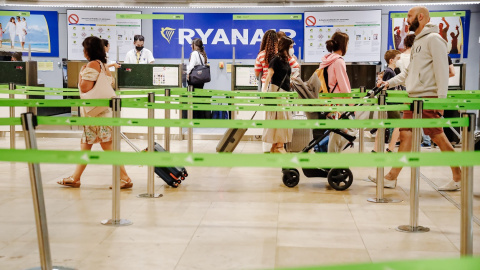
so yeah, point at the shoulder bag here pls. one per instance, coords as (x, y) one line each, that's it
(102, 89)
(200, 74)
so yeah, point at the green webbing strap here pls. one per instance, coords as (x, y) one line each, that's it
(46, 88)
(39, 93)
(303, 160)
(10, 121)
(209, 107)
(265, 101)
(204, 92)
(215, 123)
(54, 102)
(441, 103)
(463, 263)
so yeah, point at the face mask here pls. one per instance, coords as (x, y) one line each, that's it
(139, 48)
(291, 51)
(414, 25)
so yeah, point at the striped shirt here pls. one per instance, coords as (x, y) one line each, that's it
(262, 65)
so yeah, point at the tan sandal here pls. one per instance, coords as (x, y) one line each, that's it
(69, 182)
(124, 184)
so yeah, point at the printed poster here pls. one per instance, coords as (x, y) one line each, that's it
(37, 29)
(105, 25)
(363, 28)
(453, 27)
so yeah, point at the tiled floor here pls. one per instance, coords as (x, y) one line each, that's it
(222, 218)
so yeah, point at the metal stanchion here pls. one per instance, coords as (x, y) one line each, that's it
(29, 124)
(380, 149)
(414, 185)
(12, 86)
(361, 131)
(190, 117)
(115, 220)
(167, 116)
(466, 215)
(151, 148)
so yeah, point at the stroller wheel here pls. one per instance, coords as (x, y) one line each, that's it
(340, 179)
(291, 177)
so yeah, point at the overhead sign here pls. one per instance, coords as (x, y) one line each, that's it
(220, 33)
(363, 28)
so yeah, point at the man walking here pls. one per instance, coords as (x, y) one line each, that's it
(426, 77)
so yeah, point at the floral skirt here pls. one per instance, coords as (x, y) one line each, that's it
(98, 134)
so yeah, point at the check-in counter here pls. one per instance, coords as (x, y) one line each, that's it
(20, 73)
(148, 76)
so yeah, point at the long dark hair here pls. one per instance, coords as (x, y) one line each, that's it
(200, 48)
(95, 49)
(408, 41)
(283, 47)
(269, 45)
(338, 41)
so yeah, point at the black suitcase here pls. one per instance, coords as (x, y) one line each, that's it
(451, 136)
(170, 175)
(173, 176)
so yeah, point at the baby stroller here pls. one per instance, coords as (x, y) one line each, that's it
(338, 178)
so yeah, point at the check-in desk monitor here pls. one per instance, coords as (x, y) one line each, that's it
(243, 78)
(149, 76)
(457, 82)
(15, 72)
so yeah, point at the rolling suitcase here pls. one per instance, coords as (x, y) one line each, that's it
(173, 176)
(231, 138)
(300, 137)
(452, 136)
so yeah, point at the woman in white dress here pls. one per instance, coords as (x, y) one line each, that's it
(11, 28)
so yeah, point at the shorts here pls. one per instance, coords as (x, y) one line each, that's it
(425, 114)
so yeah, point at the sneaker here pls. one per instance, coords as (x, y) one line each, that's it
(386, 183)
(397, 144)
(450, 186)
(389, 151)
(373, 151)
(426, 145)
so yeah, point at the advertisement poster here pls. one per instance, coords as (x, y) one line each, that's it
(220, 33)
(37, 29)
(105, 25)
(453, 27)
(363, 28)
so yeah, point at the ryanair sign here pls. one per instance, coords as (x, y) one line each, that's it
(221, 32)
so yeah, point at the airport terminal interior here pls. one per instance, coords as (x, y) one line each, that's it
(223, 196)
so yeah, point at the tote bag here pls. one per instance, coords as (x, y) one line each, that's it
(101, 89)
(200, 74)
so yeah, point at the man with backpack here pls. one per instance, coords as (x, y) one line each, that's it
(426, 76)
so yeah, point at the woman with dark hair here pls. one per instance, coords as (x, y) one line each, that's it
(109, 64)
(198, 57)
(17, 56)
(268, 49)
(338, 81)
(404, 60)
(93, 49)
(278, 79)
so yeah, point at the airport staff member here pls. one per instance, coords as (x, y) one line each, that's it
(139, 55)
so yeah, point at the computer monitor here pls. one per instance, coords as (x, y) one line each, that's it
(244, 77)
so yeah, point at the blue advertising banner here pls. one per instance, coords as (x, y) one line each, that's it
(454, 27)
(221, 32)
(39, 30)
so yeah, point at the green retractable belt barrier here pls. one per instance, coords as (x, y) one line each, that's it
(216, 123)
(464, 263)
(301, 160)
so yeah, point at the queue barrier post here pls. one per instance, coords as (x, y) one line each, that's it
(190, 117)
(361, 144)
(116, 221)
(167, 116)
(29, 124)
(150, 148)
(12, 86)
(380, 142)
(415, 173)
(466, 215)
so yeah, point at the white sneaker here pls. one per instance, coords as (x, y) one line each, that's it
(386, 183)
(389, 183)
(450, 186)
